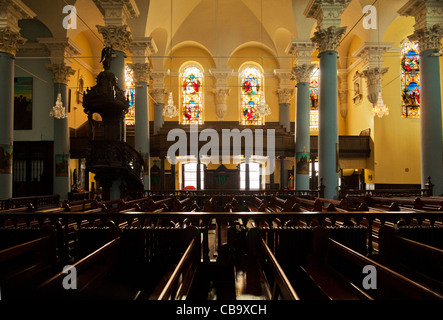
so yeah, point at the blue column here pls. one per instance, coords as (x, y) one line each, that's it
(328, 123)
(302, 132)
(141, 142)
(431, 120)
(61, 146)
(6, 122)
(118, 68)
(158, 117)
(285, 121)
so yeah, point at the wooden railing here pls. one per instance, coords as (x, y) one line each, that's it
(36, 202)
(139, 219)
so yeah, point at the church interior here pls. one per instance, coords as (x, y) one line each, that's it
(221, 150)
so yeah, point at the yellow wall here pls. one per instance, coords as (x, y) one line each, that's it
(77, 117)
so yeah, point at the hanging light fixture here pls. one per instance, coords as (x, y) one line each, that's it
(58, 111)
(263, 108)
(170, 110)
(380, 109)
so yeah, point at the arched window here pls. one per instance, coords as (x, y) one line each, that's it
(254, 176)
(313, 94)
(130, 93)
(251, 83)
(191, 79)
(410, 80)
(190, 175)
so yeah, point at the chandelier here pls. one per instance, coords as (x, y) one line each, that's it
(58, 111)
(170, 110)
(263, 108)
(380, 109)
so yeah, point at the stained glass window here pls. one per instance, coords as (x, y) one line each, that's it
(251, 84)
(192, 95)
(410, 80)
(130, 93)
(313, 94)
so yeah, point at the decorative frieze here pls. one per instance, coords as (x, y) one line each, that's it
(301, 50)
(115, 12)
(61, 50)
(372, 53)
(11, 11)
(284, 77)
(427, 13)
(141, 48)
(60, 72)
(326, 12)
(116, 36)
(221, 77)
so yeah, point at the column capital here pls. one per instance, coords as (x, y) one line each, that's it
(116, 36)
(302, 73)
(141, 48)
(142, 72)
(115, 12)
(284, 95)
(326, 12)
(221, 77)
(427, 13)
(10, 41)
(61, 50)
(371, 53)
(158, 95)
(328, 39)
(429, 38)
(60, 72)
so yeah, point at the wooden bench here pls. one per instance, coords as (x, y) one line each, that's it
(337, 271)
(277, 284)
(416, 260)
(25, 266)
(93, 273)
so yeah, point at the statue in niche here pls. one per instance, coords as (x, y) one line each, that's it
(357, 88)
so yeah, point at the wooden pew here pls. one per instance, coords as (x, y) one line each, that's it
(175, 285)
(93, 274)
(331, 260)
(415, 260)
(25, 266)
(272, 275)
